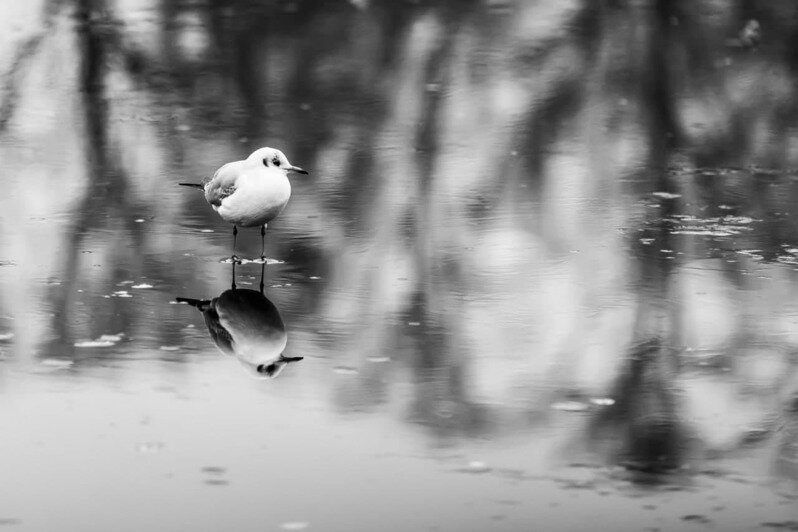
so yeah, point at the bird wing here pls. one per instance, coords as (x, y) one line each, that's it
(223, 183)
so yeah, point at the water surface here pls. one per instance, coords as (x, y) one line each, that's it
(542, 273)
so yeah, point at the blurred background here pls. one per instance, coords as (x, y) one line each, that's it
(542, 272)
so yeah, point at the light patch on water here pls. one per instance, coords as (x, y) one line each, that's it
(295, 525)
(6, 336)
(570, 406)
(57, 363)
(149, 447)
(142, 285)
(476, 467)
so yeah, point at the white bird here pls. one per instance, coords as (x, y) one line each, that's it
(251, 192)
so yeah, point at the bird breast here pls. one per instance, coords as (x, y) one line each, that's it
(260, 195)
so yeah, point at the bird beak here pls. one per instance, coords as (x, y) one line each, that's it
(297, 170)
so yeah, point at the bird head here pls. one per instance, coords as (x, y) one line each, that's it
(274, 158)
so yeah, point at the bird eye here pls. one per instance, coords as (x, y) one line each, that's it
(276, 161)
(265, 162)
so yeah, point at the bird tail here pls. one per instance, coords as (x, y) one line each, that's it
(193, 185)
(201, 304)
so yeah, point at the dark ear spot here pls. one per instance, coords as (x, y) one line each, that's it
(276, 161)
(261, 368)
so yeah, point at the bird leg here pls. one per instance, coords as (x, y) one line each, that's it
(262, 272)
(234, 257)
(263, 243)
(233, 282)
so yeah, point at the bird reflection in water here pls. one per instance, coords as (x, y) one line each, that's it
(246, 324)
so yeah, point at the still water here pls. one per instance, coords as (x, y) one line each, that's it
(542, 275)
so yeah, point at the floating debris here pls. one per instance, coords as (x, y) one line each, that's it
(94, 343)
(666, 195)
(106, 340)
(602, 401)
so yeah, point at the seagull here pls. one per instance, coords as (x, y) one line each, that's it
(251, 192)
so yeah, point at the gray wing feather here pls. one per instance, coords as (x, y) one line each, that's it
(223, 183)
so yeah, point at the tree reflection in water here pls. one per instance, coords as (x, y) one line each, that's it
(485, 216)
